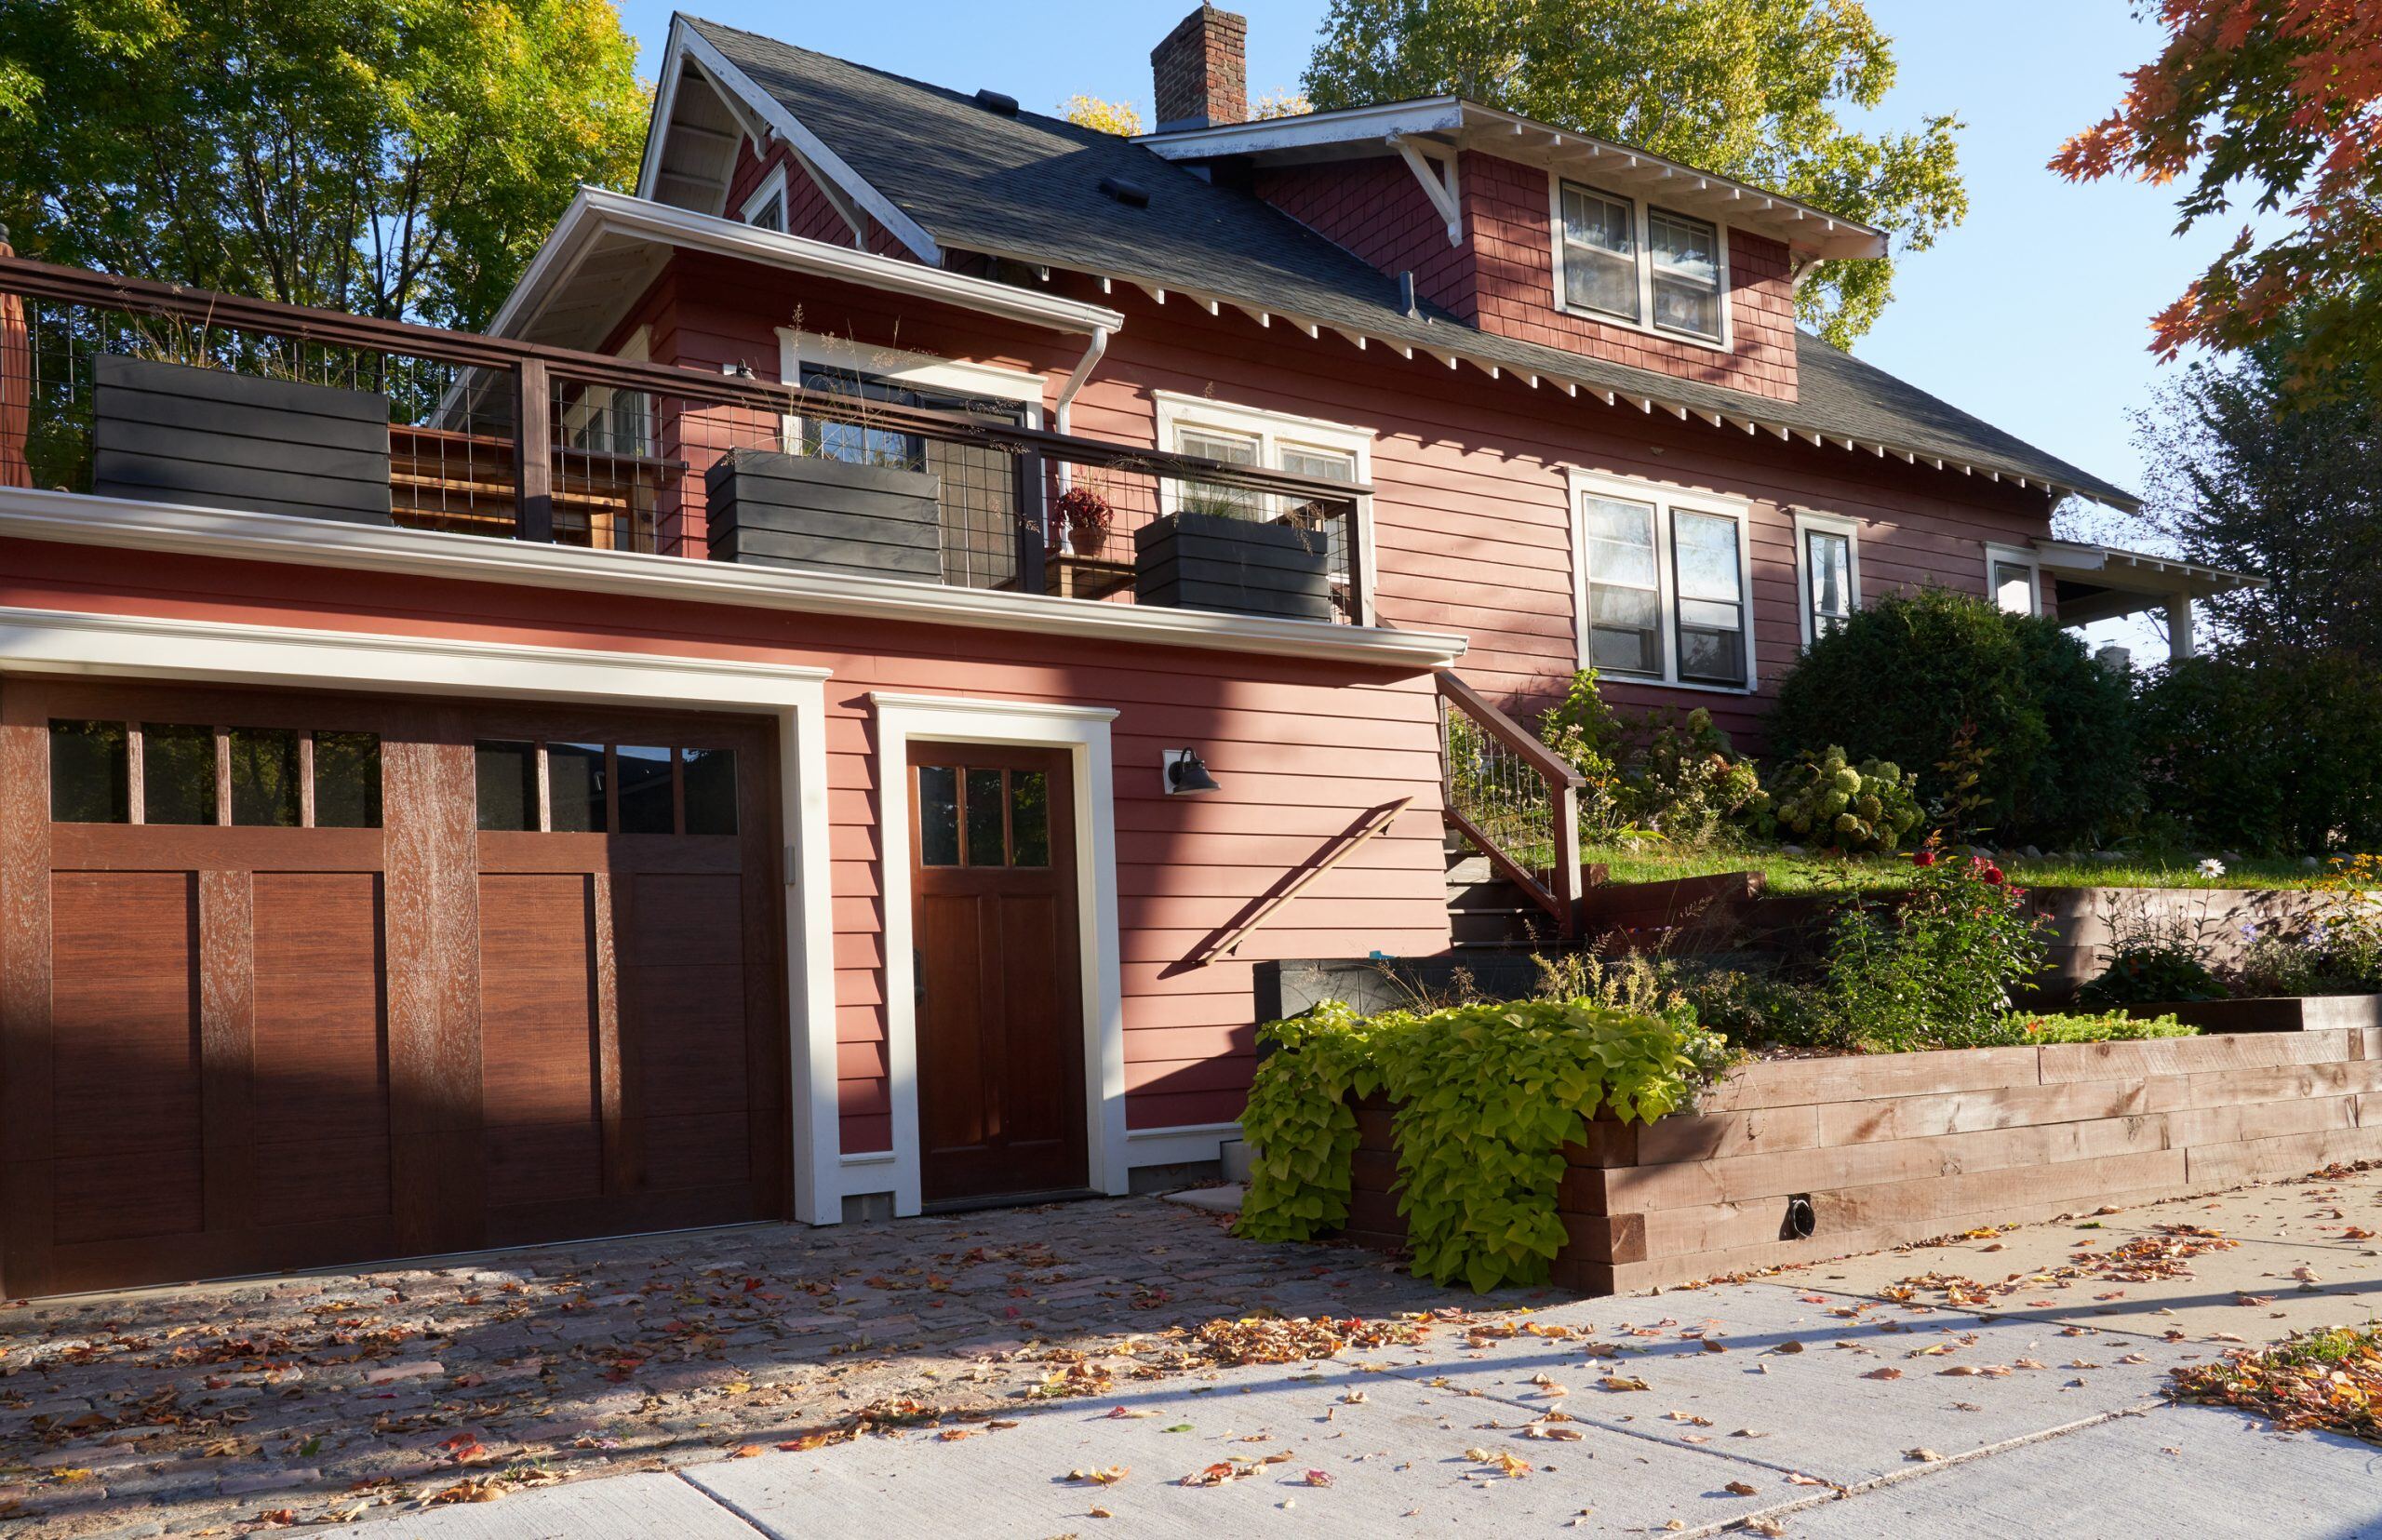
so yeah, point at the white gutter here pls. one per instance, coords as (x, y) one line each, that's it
(73, 519)
(596, 212)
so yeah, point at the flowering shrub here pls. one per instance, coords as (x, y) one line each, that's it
(1689, 782)
(1843, 807)
(1934, 967)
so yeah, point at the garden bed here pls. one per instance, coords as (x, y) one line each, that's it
(1893, 1148)
(2272, 1012)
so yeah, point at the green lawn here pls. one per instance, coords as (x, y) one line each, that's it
(1788, 873)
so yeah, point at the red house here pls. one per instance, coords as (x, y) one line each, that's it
(822, 710)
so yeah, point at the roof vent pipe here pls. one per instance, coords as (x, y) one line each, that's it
(1406, 304)
(997, 102)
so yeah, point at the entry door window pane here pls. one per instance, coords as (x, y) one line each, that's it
(575, 789)
(1624, 604)
(1029, 818)
(938, 815)
(1711, 599)
(177, 774)
(90, 772)
(710, 779)
(645, 799)
(347, 781)
(264, 777)
(508, 785)
(987, 815)
(2013, 587)
(1828, 560)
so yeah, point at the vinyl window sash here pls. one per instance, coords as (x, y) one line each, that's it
(1667, 504)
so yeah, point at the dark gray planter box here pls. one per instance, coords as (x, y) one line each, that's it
(768, 509)
(1208, 561)
(2271, 1013)
(172, 433)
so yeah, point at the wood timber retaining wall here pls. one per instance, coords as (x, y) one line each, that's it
(1892, 1148)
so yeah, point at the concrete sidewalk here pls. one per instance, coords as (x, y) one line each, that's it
(1842, 1399)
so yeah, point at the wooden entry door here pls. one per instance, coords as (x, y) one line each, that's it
(998, 972)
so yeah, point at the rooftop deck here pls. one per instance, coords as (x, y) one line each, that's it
(156, 393)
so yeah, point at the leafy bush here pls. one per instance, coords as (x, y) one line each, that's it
(1933, 967)
(1753, 1011)
(1687, 782)
(1487, 1097)
(1675, 776)
(2148, 965)
(1900, 680)
(2276, 751)
(1854, 809)
(2024, 1030)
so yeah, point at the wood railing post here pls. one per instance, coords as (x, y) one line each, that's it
(16, 384)
(533, 452)
(1564, 798)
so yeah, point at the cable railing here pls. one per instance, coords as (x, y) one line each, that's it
(1512, 798)
(130, 390)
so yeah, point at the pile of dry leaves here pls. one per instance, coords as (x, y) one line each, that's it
(2329, 1379)
(2164, 1253)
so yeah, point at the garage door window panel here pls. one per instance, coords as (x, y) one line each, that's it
(708, 776)
(347, 780)
(90, 772)
(577, 782)
(266, 777)
(648, 789)
(178, 779)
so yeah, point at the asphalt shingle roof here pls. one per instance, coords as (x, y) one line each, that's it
(1028, 187)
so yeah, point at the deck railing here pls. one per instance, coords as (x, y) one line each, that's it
(496, 437)
(1512, 798)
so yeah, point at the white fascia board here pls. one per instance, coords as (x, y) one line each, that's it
(687, 43)
(1354, 125)
(2140, 571)
(122, 524)
(597, 212)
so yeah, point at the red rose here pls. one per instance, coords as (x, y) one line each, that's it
(1922, 857)
(1993, 875)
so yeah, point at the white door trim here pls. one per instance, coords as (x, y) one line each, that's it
(75, 642)
(1083, 732)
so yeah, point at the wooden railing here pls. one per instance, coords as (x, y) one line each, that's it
(1512, 798)
(495, 436)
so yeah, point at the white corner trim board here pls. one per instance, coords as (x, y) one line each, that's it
(1084, 733)
(222, 652)
(124, 524)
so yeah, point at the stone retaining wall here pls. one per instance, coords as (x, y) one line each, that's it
(1893, 1148)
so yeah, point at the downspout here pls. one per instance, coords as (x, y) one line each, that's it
(1062, 416)
(1092, 353)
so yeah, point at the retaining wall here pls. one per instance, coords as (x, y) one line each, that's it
(1892, 1148)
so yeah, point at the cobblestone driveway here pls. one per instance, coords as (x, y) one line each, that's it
(227, 1409)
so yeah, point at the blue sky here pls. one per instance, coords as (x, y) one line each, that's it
(2033, 314)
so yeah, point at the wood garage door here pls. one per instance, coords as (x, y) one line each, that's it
(290, 979)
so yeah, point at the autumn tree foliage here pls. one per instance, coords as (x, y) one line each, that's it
(2278, 103)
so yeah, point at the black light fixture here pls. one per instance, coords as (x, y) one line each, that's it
(1186, 775)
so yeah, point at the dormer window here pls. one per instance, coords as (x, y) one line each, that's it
(1621, 260)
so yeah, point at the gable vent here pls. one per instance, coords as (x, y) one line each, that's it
(996, 101)
(1132, 194)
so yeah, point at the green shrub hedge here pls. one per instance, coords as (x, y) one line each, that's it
(1903, 680)
(2277, 751)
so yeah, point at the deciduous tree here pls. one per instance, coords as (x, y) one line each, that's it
(2278, 103)
(1748, 89)
(393, 157)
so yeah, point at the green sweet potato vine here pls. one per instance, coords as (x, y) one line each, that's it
(1487, 1097)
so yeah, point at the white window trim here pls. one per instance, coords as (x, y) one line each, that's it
(1807, 520)
(1084, 733)
(1272, 430)
(1645, 324)
(2013, 556)
(775, 182)
(1667, 497)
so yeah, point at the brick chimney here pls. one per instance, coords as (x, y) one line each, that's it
(1202, 72)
